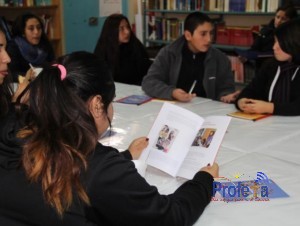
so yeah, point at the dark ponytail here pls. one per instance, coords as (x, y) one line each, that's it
(60, 131)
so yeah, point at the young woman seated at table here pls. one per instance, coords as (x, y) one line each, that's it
(29, 45)
(275, 90)
(122, 50)
(55, 162)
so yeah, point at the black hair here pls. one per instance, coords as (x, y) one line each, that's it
(60, 130)
(288, 35)
(193, 20)
(289, 10)
(5, 89)
(108, 46)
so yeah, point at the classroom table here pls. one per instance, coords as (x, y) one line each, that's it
(270, 145)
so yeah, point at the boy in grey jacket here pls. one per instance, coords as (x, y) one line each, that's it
(191, 60)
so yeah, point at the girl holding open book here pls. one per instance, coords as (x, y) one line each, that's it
(275, 90)
(53, 159)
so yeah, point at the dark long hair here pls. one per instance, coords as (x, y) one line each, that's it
(60, 131)
(289, 10)
(108, 47)
(18, 29)
(5, 90)
(288, 35)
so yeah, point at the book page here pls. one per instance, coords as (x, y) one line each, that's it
(205, 145)
(171, 137)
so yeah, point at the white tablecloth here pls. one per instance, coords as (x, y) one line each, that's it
(271, 146)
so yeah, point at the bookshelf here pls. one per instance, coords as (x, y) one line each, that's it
(52, 13)
(166, 12)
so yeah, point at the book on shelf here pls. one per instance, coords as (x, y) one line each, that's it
(182, 142)
(174, 4)
(237, 67)
(134, 99)
(248, 116)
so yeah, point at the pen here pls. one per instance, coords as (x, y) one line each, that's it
(31, 66)
(192, 87)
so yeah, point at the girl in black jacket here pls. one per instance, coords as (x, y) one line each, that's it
(276, 88)
(121, 49)
(53, 171)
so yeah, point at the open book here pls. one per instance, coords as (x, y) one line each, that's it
(181, 142)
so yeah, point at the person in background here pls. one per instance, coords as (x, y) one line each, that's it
(5, 83)
(264, 41)
(275, 90)
(122, 50)
(54, 159)
(29, 45)
(191, 60)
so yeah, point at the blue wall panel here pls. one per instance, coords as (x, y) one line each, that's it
(79, 35)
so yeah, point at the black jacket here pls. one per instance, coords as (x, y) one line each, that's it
(260, 86)
(19, 65)
(265, 39)
(118, 194)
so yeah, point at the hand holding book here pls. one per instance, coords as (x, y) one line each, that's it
(182, 142)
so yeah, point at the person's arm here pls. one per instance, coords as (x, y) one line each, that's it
(225, 78)
(292, 108)
(143, 61)
(18, 65)
(265, 39)
(156, 83)
(288, 109)
(118, 190)
(135, 148)
(259, 87)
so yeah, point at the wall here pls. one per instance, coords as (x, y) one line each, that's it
(78, 34)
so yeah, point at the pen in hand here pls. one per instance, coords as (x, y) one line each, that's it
(193, 86)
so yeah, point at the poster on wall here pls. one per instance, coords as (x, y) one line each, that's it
(108, 7)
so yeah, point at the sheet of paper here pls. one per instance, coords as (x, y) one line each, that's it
(108, 7)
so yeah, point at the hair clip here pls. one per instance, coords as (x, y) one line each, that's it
(63, 71)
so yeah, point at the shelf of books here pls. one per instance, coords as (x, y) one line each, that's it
(163, 19)
(48, 10)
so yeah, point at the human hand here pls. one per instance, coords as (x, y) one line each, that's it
(23, 83)
(230, 97)
(137, 146)
(255, 106)
(181, 95)
(212, 170)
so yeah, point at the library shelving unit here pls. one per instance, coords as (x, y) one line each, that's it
(170, 12)
(52, 15)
